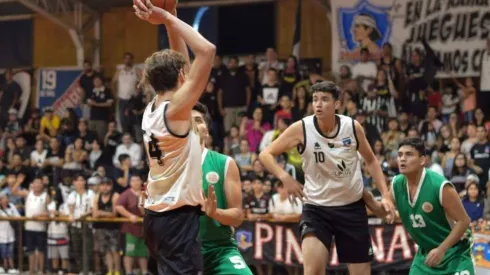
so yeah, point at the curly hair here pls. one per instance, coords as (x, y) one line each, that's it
(162, 70)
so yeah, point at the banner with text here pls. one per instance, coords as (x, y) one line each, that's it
(59, 88)
(456, 30)
(280, 244)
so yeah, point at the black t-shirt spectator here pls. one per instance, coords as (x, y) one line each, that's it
(87, 84)
(88, 137)
(210, 99)
(101, 95)
(234, 86)
(257, 205)
(137, 104)
(480, 153)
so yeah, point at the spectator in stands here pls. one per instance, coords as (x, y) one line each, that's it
(112, 139)
(85, 134)
(58, 235)
(7, 238)
(86, 83)
(130, 148)
(364, 71)
(22, 150)
(269, 95)
(54, 160)
(480, 119)
(460, 172)
(124, 84)
(257, 204)
(393, 136)
(80, 203)
(19, 169)
(33, 126)
(75, 156)
(480, 154)
(290, 76)
(107, 234)
(232, 142)
(468, 96)
(218, 68)
(375, 107)
(9, 151)
(285, 110)
(379, 150)
(123, 173)
(13, 189)
(13, 127)
(281, 208)
(136, 108)
(450, 102)
(12, 92)
(251, 69)
(128, 207)
(234, 94)
(473, 202)
(254, 129)
(50, 123)
(101, 103)
(271, 62)
(210, 99)
(38, 157)
(431, 118)
(455, 126)
(416, 102)
(301, 103)
(447, 162)
(245, 158)
(470, 140)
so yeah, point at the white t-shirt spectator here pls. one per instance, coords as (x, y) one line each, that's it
(81, 203)
(276, 206)
(133, 150)
(367, 70)
(57, 230)
(437, 168)
(35, 205)
(8, 234)
(39, 158)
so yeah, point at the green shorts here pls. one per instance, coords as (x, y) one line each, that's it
(135, 247)
(462, 265)
(224, 260)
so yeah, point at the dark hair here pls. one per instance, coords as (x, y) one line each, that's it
(203, 110)
(78, 175)
(162, 70)
(123, 157)
(128, 54)
(364, 50)
(416, 143)
(327, 87)
(373, 35)
(233, 57)
(86, 61)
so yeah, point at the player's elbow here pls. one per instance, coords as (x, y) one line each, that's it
(209, 49)
(239, 219)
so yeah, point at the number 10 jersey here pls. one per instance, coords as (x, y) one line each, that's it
(331, 163)
(175, 173)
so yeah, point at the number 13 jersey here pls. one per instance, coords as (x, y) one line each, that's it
(331, 163)
(175, 173)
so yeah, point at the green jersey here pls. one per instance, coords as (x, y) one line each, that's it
(425, 220)
(218, 247)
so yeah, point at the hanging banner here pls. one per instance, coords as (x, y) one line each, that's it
(280, 244)
(456, 30)
(59, 88)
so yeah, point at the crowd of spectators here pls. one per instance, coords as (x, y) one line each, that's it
(92, 163)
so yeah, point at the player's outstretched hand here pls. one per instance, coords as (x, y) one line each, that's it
(210, 204)
(434, 257)
(146, 11)
(293, 187)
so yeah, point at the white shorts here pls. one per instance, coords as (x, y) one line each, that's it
(58, 252)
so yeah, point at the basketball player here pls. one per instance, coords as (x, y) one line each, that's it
(173, 206)
(425, 200)
(219, 174)
(333, 189)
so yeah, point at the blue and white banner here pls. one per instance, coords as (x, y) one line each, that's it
(456, 30)
(59, 88)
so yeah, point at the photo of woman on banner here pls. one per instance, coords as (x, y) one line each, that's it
(365, 32)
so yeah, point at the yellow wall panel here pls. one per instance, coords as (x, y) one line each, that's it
(315, 30)
(123, 32)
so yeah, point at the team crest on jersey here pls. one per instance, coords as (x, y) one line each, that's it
(212, 177)
(427, 207)
(347, 142)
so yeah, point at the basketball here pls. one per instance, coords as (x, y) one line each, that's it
(168, 5)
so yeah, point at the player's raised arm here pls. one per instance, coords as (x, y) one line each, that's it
(453, 207)
(196, 80)
(233, 215)
(177, 43)
(374, 168)
(292, 137)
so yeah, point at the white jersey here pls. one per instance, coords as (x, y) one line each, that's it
(35, 205)
(331, 164)
(175, 181)
(126, 83)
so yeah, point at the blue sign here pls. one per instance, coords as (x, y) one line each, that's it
(59, 88)
(363, 26)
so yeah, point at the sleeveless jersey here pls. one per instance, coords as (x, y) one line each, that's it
(214, 168)
(331, 164)
(425, 220)
(126, 83)
(179, 167)
(35, 205)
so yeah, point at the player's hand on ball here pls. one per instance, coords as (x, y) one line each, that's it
(434, 257)
(146, 11)
(210, 204)
(293, 187)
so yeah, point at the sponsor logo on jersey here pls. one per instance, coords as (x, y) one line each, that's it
(342, 172)
(427, 207)
(317, 146)
(244, 239)
(212, 177)
(347, 142)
